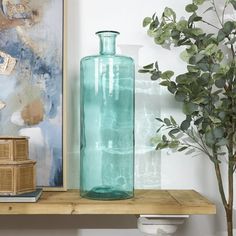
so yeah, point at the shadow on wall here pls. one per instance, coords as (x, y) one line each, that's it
(147, 107)
(68, 222)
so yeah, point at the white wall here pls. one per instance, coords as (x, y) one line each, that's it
(172, 171)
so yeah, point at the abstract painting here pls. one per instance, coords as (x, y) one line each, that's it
(31, 81)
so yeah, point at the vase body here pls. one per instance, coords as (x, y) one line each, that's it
(107, 123)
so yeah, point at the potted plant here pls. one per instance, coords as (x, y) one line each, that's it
(207, 90)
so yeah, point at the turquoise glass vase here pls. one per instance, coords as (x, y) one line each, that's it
(107, 123)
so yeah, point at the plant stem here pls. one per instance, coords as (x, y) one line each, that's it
(229, 209)
(223, 14)
(196, 141)
(232, 49)
(229, 218)
(217, 14)
(230, 131)
(220, 184)
(204, 146)
(210, 24)
(193, 146)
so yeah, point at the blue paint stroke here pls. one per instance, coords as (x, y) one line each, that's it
(51, 72)
(1, 60)
(53, 134)
(56, 177)
(6, 87)
(11, 44)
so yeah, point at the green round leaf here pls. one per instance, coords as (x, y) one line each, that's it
(192, 69)
(220, 55)
(156, 75)
(185, 56)
(165, 83)
(204, 80)
(228, 27)
(185, 125)
(198, 2)
(180, 96)
(204, 66)
(210, 139)
(221, 35)
(160, 39)
(185, 79)
(168, 12)
(172, 87)
(174, 131)
(191, 8)
(196, 31)
(196, 58)
(147, 21)
(167, 122)
(182, 25)
(220, 83)
(167, 75)
(189, 108)
(175, 34)
(211, 49)
(193, 49)
(218, 132)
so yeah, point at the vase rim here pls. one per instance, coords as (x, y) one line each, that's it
(107, 31)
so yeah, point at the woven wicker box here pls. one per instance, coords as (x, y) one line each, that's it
(14, 148)
(17, 177)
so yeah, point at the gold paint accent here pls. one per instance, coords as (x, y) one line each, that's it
(32, 114)
(7, 19)
(8, 64)
(7, 24)
(14, 9)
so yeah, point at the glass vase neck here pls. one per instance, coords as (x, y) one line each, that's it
(107, 42)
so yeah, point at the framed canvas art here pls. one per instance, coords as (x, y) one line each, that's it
(32, 83)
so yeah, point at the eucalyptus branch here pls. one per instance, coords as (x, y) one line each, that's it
(208, 23)
(223, 13)
(193, 146)
(217, 14)
(202, 147)
(232, 48)
(211, 85)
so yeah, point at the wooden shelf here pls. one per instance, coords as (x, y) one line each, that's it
(145, 202)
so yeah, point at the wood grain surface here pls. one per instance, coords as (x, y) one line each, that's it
(145, 202)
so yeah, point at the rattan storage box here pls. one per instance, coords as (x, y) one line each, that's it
(17, 177)
(14, 148)
(17, 172)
